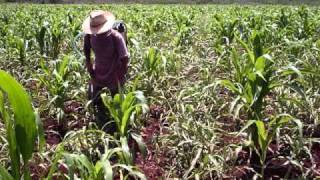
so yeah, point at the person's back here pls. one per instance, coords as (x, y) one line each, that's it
(111, 55)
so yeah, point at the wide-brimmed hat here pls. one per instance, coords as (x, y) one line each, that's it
(98, 22)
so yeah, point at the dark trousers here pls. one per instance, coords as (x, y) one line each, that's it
(101, 113)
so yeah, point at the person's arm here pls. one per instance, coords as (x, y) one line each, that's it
(87, 53)
(123, 54)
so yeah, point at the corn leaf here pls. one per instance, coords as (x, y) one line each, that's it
(41, 138)
(141, 144)
(25, 126)
(248, 124)
(229, 85)
(132, 171)
(262, 133)
(4, 174)
(107, 168)
(11, 138)
(125, 150)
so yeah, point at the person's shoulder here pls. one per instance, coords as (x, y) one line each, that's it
(116, 34)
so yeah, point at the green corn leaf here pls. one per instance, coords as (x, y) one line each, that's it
(4, 174)
(125, 119)
(236, 64)
(41, 138)
(86, 163)
(234, 103)
(80, 162)
(25, 122)
(257, 46)
(132, 171)
(127, 102)
(70, 162)
(141, 144)
(273, 85)
(107, 168)
(126, 151)
(249, 96)
(258, 73)
(252, 76)
(260, 64)
(262, 133)
(117, 98)
(44, 68)
(249, 52)
(110, 152)
(99, 171)
(300, 128)
(57, 156)
(229, 85)
(11, 138)
(289, 70)
(248, 124)
(62, 67)
(113, 110)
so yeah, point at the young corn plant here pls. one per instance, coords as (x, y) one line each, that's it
(20, 46)
(153, 65)
(226, 29)
(56, 82)
(81, 166)
(184, 29)
(253, 79)
(40, 37)
(56, 35)
(153, 62)
(307, 24)
(252, 82)
(123, 108)
(266, 134)
(102, 170)
(23, 127)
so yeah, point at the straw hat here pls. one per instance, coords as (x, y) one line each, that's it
(98, 22)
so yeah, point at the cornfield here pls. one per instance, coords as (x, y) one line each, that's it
(212, 92)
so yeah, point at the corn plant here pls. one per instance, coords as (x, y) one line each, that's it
(56, 82)
(284, 18)
(123, 108)
(153, 62)
(307, 25)
(226, 29)
(101, 170)
(22, 126)
(20, 46)
(267, 135)
(184, 29)
(112, 162)
(40, 37)
(253, 79)
(56, 35)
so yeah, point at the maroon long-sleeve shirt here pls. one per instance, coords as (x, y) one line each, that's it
(111, 58)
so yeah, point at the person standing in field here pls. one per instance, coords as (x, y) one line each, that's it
(110, 65)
